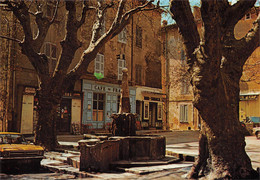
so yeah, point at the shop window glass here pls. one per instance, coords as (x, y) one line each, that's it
(98, 107)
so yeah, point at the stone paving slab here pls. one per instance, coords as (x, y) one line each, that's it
(59, 167)
(189, 151)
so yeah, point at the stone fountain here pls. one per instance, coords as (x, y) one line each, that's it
(100, 153)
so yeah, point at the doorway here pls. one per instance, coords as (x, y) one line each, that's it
(152, 113)
(64, 120)
(27, 115)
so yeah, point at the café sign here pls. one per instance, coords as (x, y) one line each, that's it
(106, 89)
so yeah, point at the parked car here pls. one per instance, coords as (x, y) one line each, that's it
(256, 131)
(16, 151)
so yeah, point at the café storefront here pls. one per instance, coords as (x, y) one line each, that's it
(100, 100)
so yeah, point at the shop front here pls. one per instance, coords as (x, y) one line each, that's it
(69, 113)
(100, 101)
(150, 105)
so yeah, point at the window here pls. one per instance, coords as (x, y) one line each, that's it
(139, 37)
(248, 16)
(118, 103)
(50, 51)
(146, 110)
(184, 87)
(98, 106)
(138, 74)
(99, 64)
(103, 26)
(183, 113)
(121, 65)
(159, 111)
(183, 57)
(122, 37)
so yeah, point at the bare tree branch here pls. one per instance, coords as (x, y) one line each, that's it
(55, 12)
(183, 16)
(237, 11)
(118, 24)
(11, 39)
(84, 12)
(250, 42)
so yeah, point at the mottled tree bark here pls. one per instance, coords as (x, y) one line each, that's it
(216, 62)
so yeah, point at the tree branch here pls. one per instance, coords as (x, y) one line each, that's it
(11, 39)
(28, 47)
(183, 16)
(237, 11)
(55, 12)
(90, 53)
(129, 14)
(69, 45)
(250, 42)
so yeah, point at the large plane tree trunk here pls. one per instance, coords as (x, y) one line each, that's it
(48, 101)
(222, 144)
(215, 60)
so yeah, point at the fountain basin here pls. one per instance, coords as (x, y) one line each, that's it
(100, 155)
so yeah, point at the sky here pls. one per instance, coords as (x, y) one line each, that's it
(169, 19)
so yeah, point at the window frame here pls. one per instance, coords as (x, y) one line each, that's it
(50, 57)
(184, 113)
(139, 36)
(248, 17)
(100, 59)
(122, 36)
(159, 111)
(183, 57)
(120, 68)
(103, 26)
(184, 87)
(146, 110)
(98, 101)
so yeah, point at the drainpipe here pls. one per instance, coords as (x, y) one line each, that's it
(132, 47)
(167, 79)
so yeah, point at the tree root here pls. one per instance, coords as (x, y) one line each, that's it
(200, 165)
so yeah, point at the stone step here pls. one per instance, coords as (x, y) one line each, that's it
(62, 157)
(182, 156)
(59, 167)
(152, 169)
(127, 164)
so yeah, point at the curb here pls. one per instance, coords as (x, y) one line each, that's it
(181, 156)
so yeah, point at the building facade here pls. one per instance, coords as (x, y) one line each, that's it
(182, 114)
(95, 96)
(249, 105)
